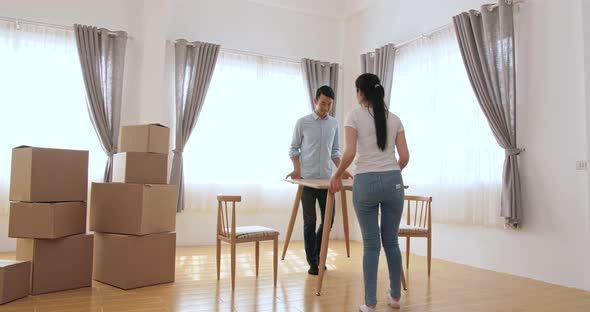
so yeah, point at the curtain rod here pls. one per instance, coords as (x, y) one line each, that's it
(24, 21)
(278, 58)
(272, 57)
(508, 2)
(429, 33)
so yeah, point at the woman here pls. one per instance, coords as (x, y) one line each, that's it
(372, 134)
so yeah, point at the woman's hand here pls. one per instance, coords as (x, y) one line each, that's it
(347, 175)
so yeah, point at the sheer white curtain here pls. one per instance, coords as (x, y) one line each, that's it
(241, 141)
(42, 99)
(454, 156)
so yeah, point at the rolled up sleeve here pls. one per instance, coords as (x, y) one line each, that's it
(335, 146)
(295, 150)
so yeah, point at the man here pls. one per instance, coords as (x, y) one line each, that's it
(313, 148)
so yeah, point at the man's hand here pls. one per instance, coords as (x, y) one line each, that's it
(294, 175)
(335, 184)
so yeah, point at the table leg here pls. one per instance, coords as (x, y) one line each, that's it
(293, 218)
(325, 240)
(345, 221)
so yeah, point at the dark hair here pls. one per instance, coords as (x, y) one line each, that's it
(325, 90)
(371, 87)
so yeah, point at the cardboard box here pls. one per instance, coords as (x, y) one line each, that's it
(48, 175)
(142, 168)
(46, 220)
(151, 138)
(134, 209)
(15, 277)
(128, 261)
(58, 264)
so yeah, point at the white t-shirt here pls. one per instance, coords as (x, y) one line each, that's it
(369, 158)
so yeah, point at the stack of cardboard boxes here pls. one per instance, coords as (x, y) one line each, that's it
(134, 217)
(48, 192)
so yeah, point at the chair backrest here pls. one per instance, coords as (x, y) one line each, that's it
(225, 214)
(418, 211)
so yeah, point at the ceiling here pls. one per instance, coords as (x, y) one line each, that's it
(339, 9)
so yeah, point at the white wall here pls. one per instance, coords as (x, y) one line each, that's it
(156, 15)
(257, 28)
(586, 20)
(552, 126)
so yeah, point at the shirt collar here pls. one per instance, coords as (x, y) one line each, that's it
(317, 117)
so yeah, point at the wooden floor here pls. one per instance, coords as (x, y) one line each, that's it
(452, 287)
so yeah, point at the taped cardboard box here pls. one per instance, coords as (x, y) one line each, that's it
(58, 264)
(128, 261)
(46, 220)
(133, 209)
(15, 277)
(139, 167)
(48, 175)
(150, 138)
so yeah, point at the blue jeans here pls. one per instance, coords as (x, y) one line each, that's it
(370, 191)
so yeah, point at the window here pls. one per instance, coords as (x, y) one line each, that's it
(454, 156)
(42, 97)
(241, 141)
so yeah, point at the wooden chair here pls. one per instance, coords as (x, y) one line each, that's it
(404, 287)
(419, 224)
(229, 233)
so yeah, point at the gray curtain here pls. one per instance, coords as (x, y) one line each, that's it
(381, 64)
(486, 40)
(195, 62)
(317, 74)
(102, 57)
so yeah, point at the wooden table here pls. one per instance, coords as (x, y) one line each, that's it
(320, 184)
(324, 184)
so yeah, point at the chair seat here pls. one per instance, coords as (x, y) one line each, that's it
(255, 231)
(411, 229)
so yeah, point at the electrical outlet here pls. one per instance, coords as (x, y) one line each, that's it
(581, 165)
